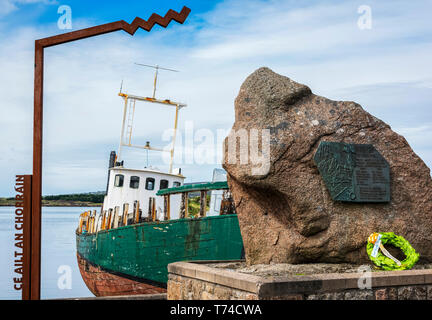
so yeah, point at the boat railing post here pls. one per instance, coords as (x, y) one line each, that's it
(149, 209)
(97, 228)
(80, 225)
(203, 203)
(153, 208)
(186, 205)
(107, 214)
(116, 217)
(125, 213)
(94, 221)
(167, 214)
(88, 221)
(88, 224)
(137, 215)
(85, 221)
(227, 205)
(110, 213)
(183, 205)
(102, 227)
(165, 209)
(169, 208)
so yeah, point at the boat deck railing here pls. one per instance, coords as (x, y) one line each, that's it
(90, 222)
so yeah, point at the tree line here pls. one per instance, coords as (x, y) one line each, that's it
(94, 197)
(88, 197)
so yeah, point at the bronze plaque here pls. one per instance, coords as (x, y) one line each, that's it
(353, 172)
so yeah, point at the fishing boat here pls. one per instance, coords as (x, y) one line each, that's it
(150, 218)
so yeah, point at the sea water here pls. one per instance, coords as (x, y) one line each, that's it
(60, 276)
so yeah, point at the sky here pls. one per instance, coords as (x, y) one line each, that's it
(383, 64)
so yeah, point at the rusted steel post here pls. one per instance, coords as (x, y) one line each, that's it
(26, 287)
(179, 17)
(40, 44)
(36, 220)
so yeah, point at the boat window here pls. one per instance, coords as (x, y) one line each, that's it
(163, 184)
(134, 182)
(118, 181)
(150, 184)
(176, 184)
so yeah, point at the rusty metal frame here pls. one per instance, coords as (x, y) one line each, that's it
(36, 181)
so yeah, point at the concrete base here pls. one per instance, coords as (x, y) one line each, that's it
(156, 296)
(199, 281)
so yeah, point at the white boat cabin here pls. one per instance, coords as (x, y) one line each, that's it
(129, 188)
(162, 203)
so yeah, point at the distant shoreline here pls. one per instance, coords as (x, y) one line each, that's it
(54, 203)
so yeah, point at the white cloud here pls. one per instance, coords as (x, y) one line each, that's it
(420, 136)
(281, 28)
(8, 6)
(319, 45)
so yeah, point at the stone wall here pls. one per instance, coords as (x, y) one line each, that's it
(387, 293)
(195, 281)
(185, 288)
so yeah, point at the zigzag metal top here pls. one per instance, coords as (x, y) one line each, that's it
(116, 26)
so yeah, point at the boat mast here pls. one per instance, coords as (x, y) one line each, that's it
(128, 113)
(156, 67)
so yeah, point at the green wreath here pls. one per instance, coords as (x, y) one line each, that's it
(386, 263)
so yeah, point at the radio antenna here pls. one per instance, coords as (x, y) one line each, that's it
(157, 68)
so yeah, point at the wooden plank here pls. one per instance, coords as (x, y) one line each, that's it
(154, 210)
(125, 213)
(137, 213)
(116, 217)
(203, 204)
(168, 207)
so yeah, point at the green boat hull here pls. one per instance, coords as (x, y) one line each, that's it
(142, 252)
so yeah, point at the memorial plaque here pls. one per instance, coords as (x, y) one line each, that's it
(353, 172)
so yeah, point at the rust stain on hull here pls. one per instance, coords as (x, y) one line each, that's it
(103, 283)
